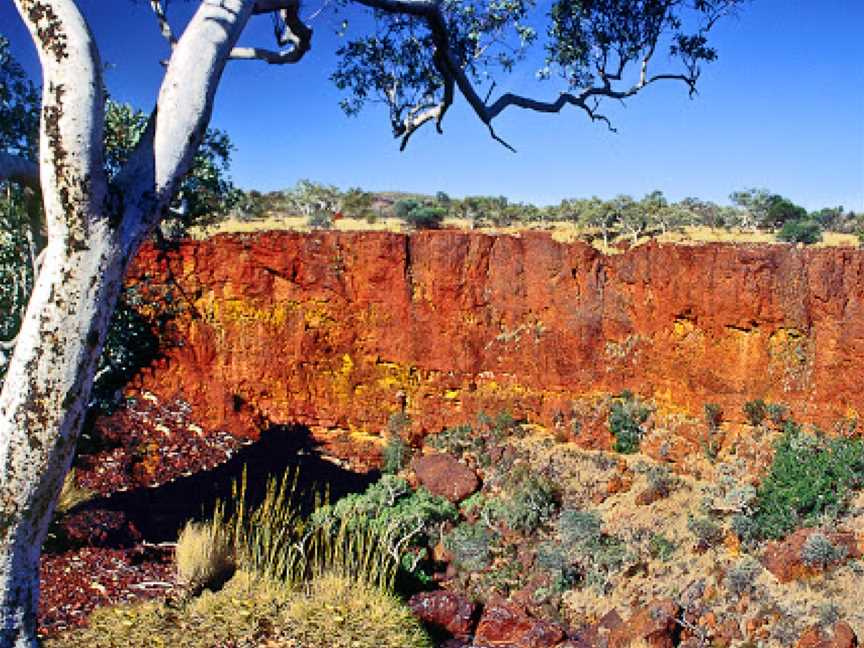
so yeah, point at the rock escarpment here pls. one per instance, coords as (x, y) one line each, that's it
(341, 330)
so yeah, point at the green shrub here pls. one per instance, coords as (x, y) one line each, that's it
(712, 440)
(579, 527)
(320, 220)
(801, 231)
(426, 217)
(602, 559)
(713, 415)
(398, 423)
(420, 215)
(782, 211)
(395, 455)
(408, 518)
(661, 547)
(755, 411)
(810, 477)
(744, 526)
(660, 478)
(476, 440)
(455, 440)
(598, 555)
(554, 559)
(531, 504)
(778, 413)
(626, 418)
(470, 545)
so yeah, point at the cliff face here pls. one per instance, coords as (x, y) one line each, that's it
(340, 330)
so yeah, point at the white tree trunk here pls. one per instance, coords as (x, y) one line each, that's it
(92, 235)
(40, 418)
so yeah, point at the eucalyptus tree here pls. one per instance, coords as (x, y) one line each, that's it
(417, 57)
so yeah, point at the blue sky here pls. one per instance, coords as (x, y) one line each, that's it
(782, 108)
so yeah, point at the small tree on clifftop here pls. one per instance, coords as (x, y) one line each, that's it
(419, 54)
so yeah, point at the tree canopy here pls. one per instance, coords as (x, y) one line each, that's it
(422, 52)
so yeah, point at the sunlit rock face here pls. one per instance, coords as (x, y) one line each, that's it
(338, 331)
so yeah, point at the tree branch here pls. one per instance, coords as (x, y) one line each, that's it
(19, 170)
(268, 6)
(437, 112)
(296, 32)
(71, 145)
(165, 151)
(164, 25)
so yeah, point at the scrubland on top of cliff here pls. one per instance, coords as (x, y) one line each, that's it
(755, 216)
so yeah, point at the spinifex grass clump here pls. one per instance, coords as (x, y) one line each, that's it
(329, 612)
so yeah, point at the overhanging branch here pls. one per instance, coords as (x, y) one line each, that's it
(295, 33)
(454, 75)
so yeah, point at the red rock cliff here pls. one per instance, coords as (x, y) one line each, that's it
(339, 330)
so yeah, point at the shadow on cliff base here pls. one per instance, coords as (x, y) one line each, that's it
(159, 513)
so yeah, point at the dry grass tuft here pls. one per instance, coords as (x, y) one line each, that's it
(204, 554)
(71, 494)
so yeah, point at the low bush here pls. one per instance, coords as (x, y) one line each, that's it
(741, 576)
(661, 547)
(477, 439)
(395, 455)
(598, 555)
(819, 552)
(470, 545)
(579, 527)
(531, 503)
(755, 411)
(556, 560)
(707, 532)
(320, 220)
(626, 418)
(778, 413)
(810, 477)
(420, 215)
(801, 231)
(713, 440)
(403, 522)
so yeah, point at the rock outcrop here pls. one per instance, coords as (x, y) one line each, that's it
(338, 331)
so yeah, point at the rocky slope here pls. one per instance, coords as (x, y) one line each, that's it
(338, 331)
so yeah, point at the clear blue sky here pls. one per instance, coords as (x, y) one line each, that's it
(782, 108)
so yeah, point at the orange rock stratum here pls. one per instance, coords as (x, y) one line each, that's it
(339, 330)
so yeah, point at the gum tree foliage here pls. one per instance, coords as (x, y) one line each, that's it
(206, 193)
(19, 227)
(416, 57)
